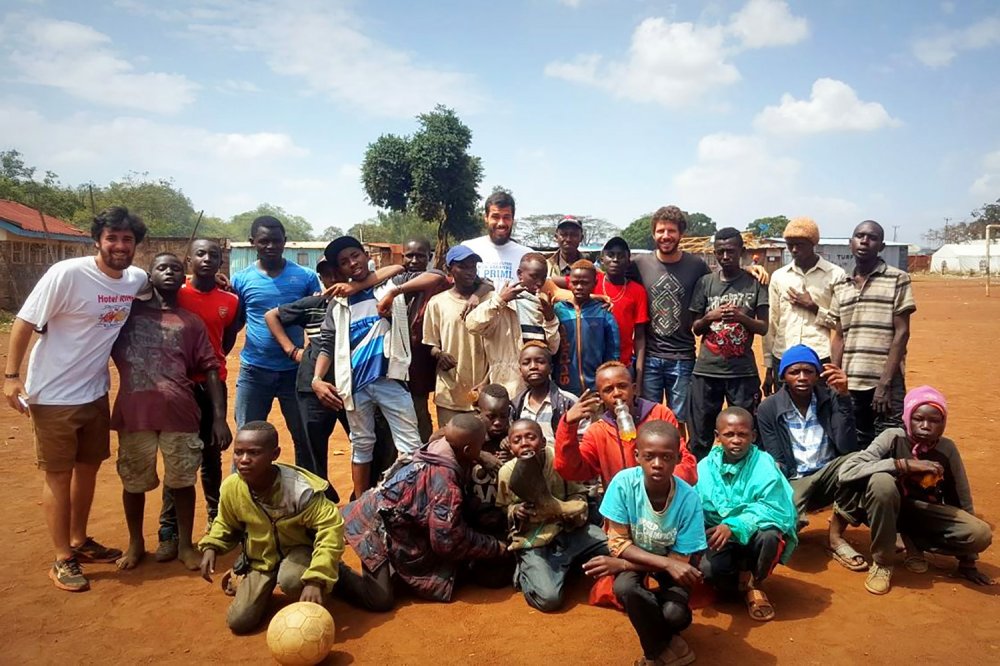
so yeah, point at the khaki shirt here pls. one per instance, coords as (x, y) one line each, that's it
(792, 325)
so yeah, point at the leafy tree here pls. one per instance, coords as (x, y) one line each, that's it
(296, 226)
(967, 230)
(700, 224)
(18, 183)
(430, 173)
(330, 233)
(393, 227)
(165, 209)
(539, 230)
(768, 227)
(639, 234)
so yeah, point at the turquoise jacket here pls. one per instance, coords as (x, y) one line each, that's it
(747, 496)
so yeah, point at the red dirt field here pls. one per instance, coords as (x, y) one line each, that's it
(160, 613)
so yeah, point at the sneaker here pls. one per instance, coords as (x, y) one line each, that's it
(91, 551)
(167, 550)
(67, 575)
(878, 579)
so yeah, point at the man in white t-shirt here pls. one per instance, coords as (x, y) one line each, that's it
(500, 255)
(78, 307)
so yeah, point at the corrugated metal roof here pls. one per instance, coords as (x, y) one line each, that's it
(28, 218)
(703, 244)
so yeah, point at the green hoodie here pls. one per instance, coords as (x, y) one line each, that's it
(302, 516)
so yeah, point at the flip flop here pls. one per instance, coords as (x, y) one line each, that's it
(759, 606)
(847, 557)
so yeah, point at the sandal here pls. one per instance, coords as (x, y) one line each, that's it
(91, 551)
(758, 606)
(918, 564)
(847, 557)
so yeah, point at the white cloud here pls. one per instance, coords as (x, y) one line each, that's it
(574, 4)
(324, 45)
(988, 184)
(238, 86)
(833, 106)
(676, 63)
(947, 7)
(81, 62)
(738, 179)
(940, 49)
(762, 23)
(672, 64)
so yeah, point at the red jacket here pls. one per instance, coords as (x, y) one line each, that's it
(602, 453)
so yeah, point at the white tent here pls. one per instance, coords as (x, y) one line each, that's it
(966, 258)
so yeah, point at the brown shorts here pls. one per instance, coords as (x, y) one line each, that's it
(68, 434)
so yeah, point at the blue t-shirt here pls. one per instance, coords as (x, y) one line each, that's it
(369, 361)
(259, 293)
(680, 528)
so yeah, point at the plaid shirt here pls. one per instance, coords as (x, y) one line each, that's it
(811, 447)
(865, 316)
(413, 521)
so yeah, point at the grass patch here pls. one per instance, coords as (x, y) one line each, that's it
(6, 321)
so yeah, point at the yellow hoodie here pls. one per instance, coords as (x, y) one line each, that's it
(300, 515)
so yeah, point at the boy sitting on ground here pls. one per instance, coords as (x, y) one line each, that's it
(749, 512)
(157, 352)
(588, 332)
(292, 535)
(548, 518)
(912, 480)
(655, 525)
(412, 523)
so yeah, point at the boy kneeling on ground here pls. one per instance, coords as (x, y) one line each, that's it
(655, 525)
(749, 512)
(411, 524)
(292, 535)
(548, 518)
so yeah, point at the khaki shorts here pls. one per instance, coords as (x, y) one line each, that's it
(137, 459)
(68, 434)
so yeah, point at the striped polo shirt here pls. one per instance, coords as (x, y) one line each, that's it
(865, 317)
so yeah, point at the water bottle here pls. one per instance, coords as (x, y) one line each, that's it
(626, 424)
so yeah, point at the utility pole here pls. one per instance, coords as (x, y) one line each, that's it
(895, 227)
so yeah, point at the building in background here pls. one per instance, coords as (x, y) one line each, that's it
(308, 254)
(30, 242)
(966, 258)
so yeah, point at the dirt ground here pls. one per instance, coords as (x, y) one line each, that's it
(161, 613)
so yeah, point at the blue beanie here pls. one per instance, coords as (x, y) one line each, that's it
(799, 354)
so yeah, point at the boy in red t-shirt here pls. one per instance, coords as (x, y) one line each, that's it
(628, 303)
(158, 352)
(217, 309)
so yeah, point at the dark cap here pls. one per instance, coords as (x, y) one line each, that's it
(617, 241)
(569, 220)
(337, 245)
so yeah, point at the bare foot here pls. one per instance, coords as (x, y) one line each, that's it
(133, 555)
(189, 557)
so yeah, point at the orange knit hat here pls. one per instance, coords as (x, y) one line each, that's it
(803, 227)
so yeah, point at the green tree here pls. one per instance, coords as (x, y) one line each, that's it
(700, 224)
(330, 233)
(18, 183)
(639, 234)
(393, 227)
(539, 230)
(165, 209)
(768, 227)
(972, 229)
(430, 173)
(297, 228)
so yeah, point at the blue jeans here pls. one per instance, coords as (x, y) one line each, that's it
(396, 404)
(256, 389)
(541, 572)
(671, 377)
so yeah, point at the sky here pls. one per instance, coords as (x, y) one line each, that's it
(842, 111)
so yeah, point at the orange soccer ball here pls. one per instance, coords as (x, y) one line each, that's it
(300, 634)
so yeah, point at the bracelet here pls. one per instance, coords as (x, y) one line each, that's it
(12, 375)
(291, 354)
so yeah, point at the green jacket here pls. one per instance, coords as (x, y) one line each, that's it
(305, 517)
(747, 496)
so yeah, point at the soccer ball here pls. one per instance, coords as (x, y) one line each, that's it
(300, 634)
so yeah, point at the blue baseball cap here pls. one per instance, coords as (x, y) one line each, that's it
(460, 253)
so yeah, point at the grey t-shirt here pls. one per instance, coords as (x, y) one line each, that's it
(669, 288)
(727, 350)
